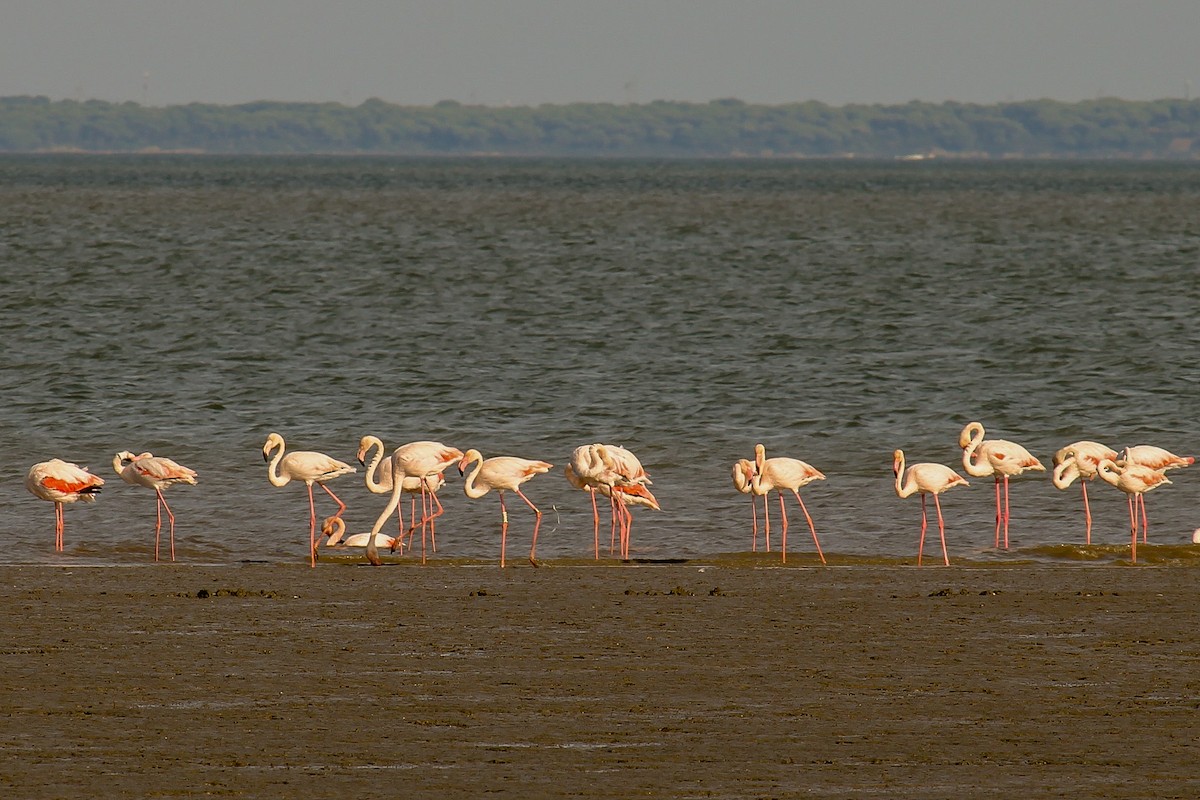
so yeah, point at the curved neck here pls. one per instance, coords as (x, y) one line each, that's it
(472, 491)
(273, 469)
(1065, 474)
(970, 450)
(373, 472)
(393, 501)
(904, 488)
(1107, 470)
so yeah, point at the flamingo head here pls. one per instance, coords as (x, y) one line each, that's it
(897, 460)
(334, 528)
(468, 457)
(273, 440)
(639, 491)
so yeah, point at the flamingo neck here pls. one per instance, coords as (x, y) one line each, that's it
(904, 488)
(373, 471)
(273, 469)
(1107, 470)
(469, 488)
(973, 466)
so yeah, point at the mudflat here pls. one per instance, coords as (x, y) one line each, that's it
(694, 679)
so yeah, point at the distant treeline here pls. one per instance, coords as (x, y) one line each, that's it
(1102, 128)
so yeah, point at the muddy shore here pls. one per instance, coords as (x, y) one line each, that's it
(682, 680)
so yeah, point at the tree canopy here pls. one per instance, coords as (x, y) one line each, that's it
(1102, 128)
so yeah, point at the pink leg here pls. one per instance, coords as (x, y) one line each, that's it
(595, 522)
(612, 540)
(754, 522)
(433, 515)
(941, 529)
(924, 525)
(503, 528)
(312, 528)
(1132, 528)
(1087, 512)
(766, 524)
(1145, 524)
(783, 534)
(157, 522)
(536, 524)
(328, 491)
(172, 518)
(1005, 512)
(999, 518)
(58, 527)
(811, 527)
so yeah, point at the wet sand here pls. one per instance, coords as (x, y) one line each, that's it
(579, 680)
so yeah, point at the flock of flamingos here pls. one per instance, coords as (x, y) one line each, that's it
(417, 469)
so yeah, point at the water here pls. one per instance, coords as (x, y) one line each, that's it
(685, 309)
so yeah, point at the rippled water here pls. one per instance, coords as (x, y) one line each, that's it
(832, 311)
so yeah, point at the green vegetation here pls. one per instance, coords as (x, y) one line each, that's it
(1101, 128)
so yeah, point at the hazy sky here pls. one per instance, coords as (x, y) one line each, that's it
(527, 52)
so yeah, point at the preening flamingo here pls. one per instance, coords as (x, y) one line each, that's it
(379, 481)
(157, 473)
(998, 458)
(743, 473)
(926, 478)
(62, 482)
(1153, 457)
(307, 466)
(503, 473)
(1134, 480)
(780, 474)
(624, 478)
(1079, 460)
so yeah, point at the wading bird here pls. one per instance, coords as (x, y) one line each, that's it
(926, 478)
(998, 458)
(379, 481)
(503, 473)
(307, 466)
(62, 482)
(1134, 480)
(782, 474)
(1079, 460)
(157, 473)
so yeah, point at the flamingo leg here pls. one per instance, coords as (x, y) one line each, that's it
(811, 527)
(942, 529)
(58, 527)
(1132, 528)
(924, 525)
(536, 524)
(766, 525)
(163, 500)
(157, 522)
(312, 528)
(1145, 524)
(1006, 515)
(503, 528)
(998, 516)
(595, 522)
(433, 515)
(328, 491)
(754, 522)
(612, 540)
(1087, 512)
(783, 534)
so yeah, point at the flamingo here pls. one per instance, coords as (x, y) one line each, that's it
(335, 529)
(421, 461)
(62, 482)
(623, 475)
(157, 473)
(779, 474)
(926, 478)
(307, 466)
(379, 481)
(631, 494)
(501, 473)
(1134, 480)
(1079, 460)
(999, 458)
(1153, 457)
(743, 473)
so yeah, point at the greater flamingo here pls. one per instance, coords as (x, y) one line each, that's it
(157, 473)
(62, 482)
(503, 473)
(335, 529)
(307, 466)
(1134, 480)
(619, 495)
(1079, 460)
(424, 461)
(926, 478)
(1153, 457)
(743, 473)
(780, 474)
(998, 458)
(624, 477)
(379, 481)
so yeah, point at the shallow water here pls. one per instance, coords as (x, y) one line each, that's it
(685, 309)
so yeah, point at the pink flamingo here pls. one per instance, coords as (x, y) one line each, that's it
(157, 473)
(780, 474)
(62, 482)
(619, 496)
(307, 466)
(1147, 455)
(335, 529)
(379, 481)
(926, 478)
(1134, 480)
(998, 458)
(623, 475)
(421, 461)
(1079, 460)
(501, 473)
(743, 474)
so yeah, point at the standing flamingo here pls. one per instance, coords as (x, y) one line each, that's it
(583, 474)
(624, 477)
(926, 478)
(423, 461)
(62, 482)
(743, 474)
(310, 467)
(157, 473)
(1134, 480)
(780, 474)
(1153, 457)
(999, 458)
(379, 481)
(1079, 460)
(501, 473)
